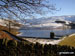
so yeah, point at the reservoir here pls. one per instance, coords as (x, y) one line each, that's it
(45, 33)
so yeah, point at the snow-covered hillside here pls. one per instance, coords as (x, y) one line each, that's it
(14, 24)
(2, 22)
(48, 25)
(50, 21)
(45, 22)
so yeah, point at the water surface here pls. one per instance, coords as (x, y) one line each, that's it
(46, 33)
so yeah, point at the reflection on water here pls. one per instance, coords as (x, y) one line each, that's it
(46, 33)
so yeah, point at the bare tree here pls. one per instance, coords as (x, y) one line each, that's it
(23, 8)
(19, 9)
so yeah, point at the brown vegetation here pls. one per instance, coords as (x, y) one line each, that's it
(68, 41)
(5, 35)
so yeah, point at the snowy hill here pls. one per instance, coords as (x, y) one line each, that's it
(2, 22)
(14, 23)
(50, 21)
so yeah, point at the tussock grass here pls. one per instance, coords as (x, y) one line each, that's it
(69, 41)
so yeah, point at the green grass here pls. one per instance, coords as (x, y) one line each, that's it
(69, 41)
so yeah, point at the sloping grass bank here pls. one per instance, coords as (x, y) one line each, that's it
(69, 41)
(4, 35)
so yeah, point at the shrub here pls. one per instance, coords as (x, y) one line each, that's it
(52, 35)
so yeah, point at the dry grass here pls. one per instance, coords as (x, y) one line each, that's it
(13, 31)
(69, 41)
(5, 35)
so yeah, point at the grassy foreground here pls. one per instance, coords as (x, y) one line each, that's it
(69, 41)
(15, 48)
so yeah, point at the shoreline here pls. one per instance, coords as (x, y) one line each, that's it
(39, 37)
(43, 40)
(46, 40)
